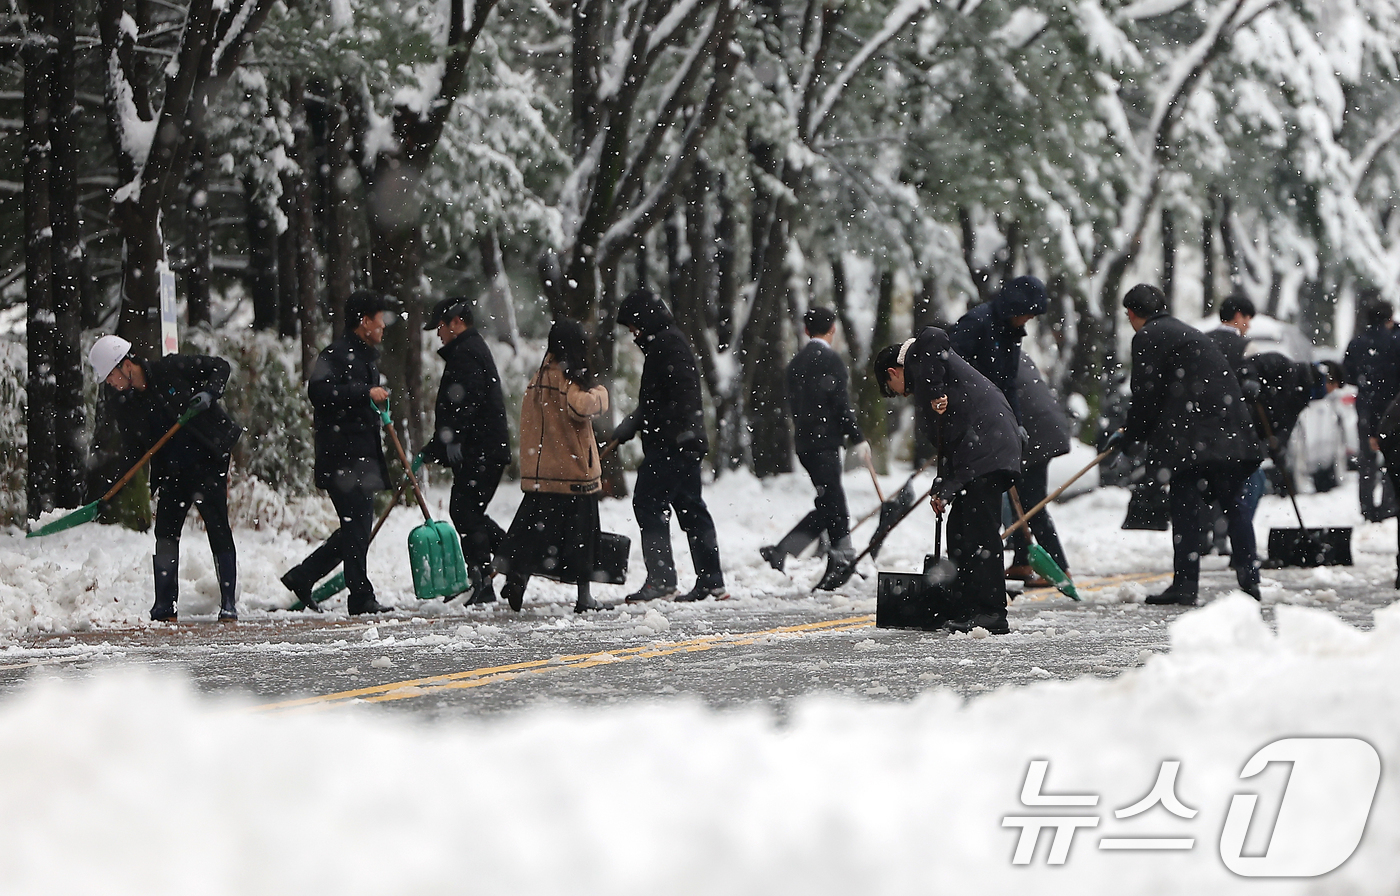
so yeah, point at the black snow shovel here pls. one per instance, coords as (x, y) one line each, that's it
(922, 601)
(1301, 547)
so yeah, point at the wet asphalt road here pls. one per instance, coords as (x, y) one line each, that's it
(487, 660)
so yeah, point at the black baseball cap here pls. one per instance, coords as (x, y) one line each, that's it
(447, 309)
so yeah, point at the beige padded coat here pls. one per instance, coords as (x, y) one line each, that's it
(557, 452)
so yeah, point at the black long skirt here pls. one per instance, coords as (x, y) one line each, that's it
(555, 536)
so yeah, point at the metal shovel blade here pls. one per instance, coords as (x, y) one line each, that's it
(1308, 548)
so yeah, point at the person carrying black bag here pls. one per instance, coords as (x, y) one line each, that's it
(349, 454)
(470, 437)
(555, 531)
(192, 468)
(671, 420)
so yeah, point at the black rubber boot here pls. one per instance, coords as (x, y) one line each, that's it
(166, 566)
(227, 566)
(656, 551)
(514, 591)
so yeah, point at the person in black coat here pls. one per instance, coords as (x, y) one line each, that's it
(349, 454)
(975, 432)
(192, 468)
(989, 336)
(671, 420)
(823, 420)
(470, 437)
(1372, 363)
(1236, 315)
(1047, 430)
(1188, 410)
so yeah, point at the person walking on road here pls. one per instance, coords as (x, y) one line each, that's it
(823, 420)
(671, 421)
(1372, 364)
(349, 453)
(555, 531)
(974, 430)
(1047, 437)
(192, 468)
(470, 437)
(1187, 409)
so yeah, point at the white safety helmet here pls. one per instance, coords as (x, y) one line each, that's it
(106, 354)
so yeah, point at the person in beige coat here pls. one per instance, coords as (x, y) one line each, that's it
(555, 532)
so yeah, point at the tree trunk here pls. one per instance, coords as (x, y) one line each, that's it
(1208, 258)
(199, 262)
(340, 239)
(500, 303)
(763, 356)
(288, 287)
(70, 442)
(41, 405)
(396, 254)
(144, 250)
(1168, 255)
(304, 225)
(726, 277)
(262, 259)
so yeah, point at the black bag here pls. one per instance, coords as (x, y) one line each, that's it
(611, 557)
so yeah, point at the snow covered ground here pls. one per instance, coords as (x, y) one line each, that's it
(125, 781)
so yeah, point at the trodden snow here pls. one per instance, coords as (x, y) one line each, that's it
(123, 781)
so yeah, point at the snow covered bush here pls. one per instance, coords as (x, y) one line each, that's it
(266, 395)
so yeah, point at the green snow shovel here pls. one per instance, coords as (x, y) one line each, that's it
(1041, 561)
(336, 583)
(89, 512)
(434, 549)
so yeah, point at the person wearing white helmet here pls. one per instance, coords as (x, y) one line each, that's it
(192, 468)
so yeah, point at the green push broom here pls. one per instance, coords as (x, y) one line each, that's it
(89, 512)
(1041, 561)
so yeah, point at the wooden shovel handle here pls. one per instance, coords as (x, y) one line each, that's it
(1056, 493)
(403, 458)
(145, 458)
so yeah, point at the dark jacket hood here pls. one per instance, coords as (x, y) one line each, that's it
(1024, 295)
(644, 310)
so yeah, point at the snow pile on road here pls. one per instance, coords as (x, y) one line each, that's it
(130, 784)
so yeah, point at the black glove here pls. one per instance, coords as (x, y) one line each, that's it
(452, 453)
(1116, 441)
(627, 430)
(202, 400)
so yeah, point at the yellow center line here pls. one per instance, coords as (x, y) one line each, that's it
(400, 690)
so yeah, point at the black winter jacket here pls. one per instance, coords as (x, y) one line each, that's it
(985, 338)
(817, 396)
(1186, 404)
(1372, 365)
(202, 446)
(1232, 345)
(669, 407)
(470, 410)
(979, 434)
(1285, 388)
(349, 452)
(1046, 423)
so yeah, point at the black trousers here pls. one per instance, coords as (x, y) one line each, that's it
(666, 482)
(1370, 477)
(206, 490)
(347, 546)
(830, 514)
(473, 487)
(1031, 487)
(1390, 449)
(974, 545)
(1191, 489)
